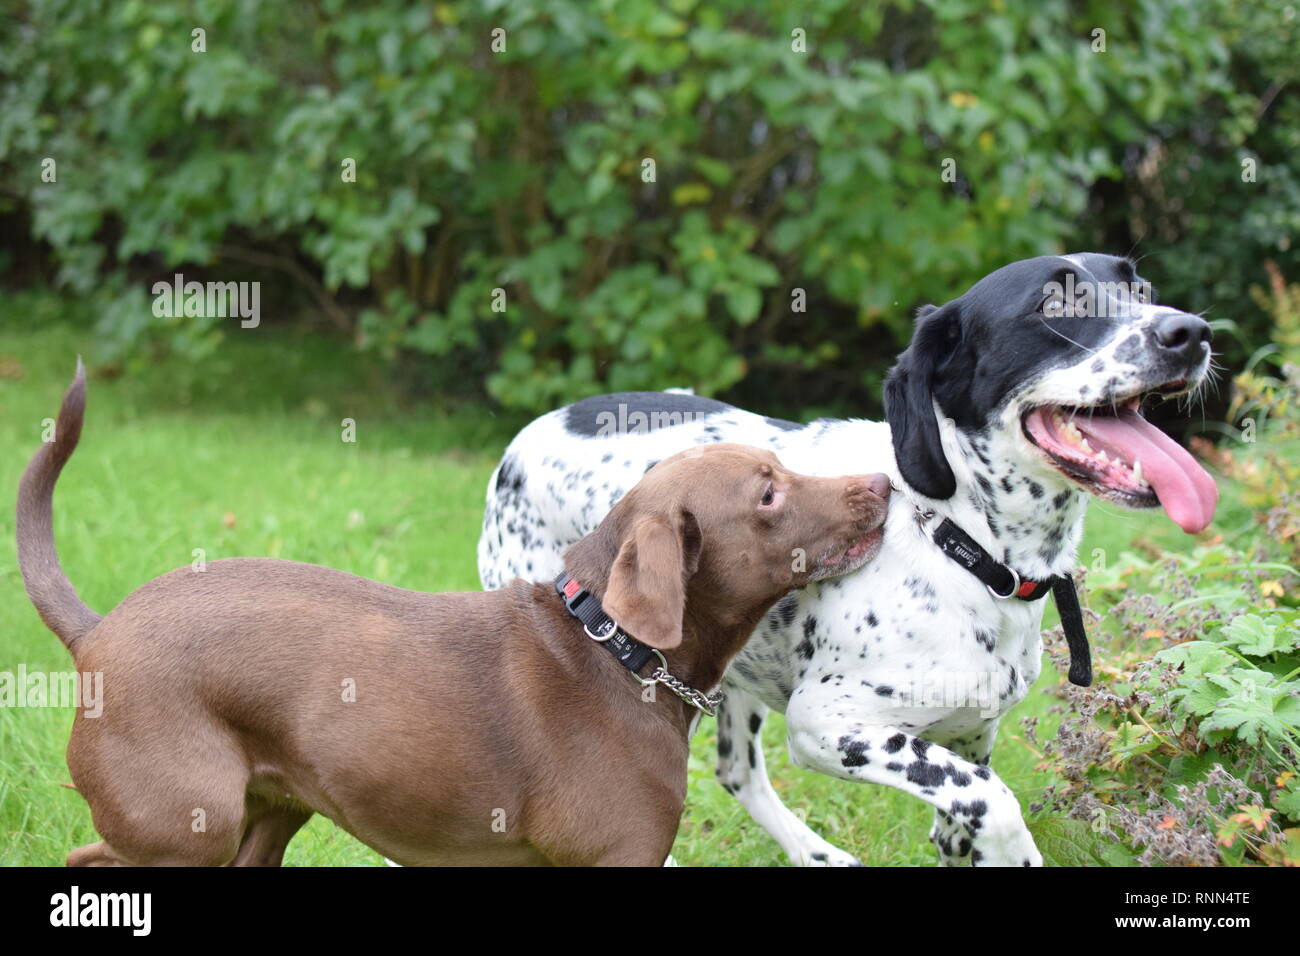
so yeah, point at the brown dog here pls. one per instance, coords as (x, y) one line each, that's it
(482, 728)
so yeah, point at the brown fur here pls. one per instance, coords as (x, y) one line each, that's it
(486, 727)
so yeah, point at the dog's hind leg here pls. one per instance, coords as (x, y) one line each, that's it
(743, 773)
(270, 828)
(95, 854)
(179, 846)
(157, 803)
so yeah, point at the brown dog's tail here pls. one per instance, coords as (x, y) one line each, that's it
(48, 587)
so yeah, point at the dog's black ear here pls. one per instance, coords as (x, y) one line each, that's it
(909, 402)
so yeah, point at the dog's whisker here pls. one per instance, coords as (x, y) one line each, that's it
(1060, 334)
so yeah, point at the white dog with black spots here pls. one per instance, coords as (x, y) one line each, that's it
(1012, 405)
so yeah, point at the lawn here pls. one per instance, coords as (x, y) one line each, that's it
(245, 457)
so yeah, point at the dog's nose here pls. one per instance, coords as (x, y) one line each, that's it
(1183, 336)
(879, 485)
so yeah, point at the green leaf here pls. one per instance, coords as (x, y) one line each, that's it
(1288, 801)
(1254, 712)
(744, 302)
(1259, 637)
(1066, 842)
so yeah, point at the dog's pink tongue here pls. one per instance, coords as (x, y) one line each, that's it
(1184, 488)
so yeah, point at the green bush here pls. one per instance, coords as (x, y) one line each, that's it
(778, 172)
(1208, 194)
(1188, 756)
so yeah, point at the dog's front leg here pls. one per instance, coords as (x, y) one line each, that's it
(948, 834)
(984, 811)
(743, 773)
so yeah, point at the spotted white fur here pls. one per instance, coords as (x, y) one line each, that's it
(852, 661)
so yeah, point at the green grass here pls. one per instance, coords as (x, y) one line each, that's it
(242, 455)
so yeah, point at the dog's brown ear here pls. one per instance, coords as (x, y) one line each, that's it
(646, 593)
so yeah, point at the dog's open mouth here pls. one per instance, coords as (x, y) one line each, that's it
(851, 558)
(1117, 454)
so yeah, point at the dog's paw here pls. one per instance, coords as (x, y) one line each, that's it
(1009, 845)
(824, 855)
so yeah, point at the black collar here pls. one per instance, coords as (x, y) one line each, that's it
(600, 627)
(627, 650)
(1004, 583)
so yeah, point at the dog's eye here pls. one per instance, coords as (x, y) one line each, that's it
(1052, 305)
(772, 498)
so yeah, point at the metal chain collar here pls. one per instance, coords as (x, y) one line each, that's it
(705, 703)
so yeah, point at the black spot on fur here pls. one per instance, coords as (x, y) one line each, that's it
(592, 417)
(1130, 350)
(925, 774)
(854, 751)
(805, 647)
(510, 479)
(787, 608)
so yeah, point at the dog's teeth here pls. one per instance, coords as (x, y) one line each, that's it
(1102, 456)
(1137, 473)
(1083, 443)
